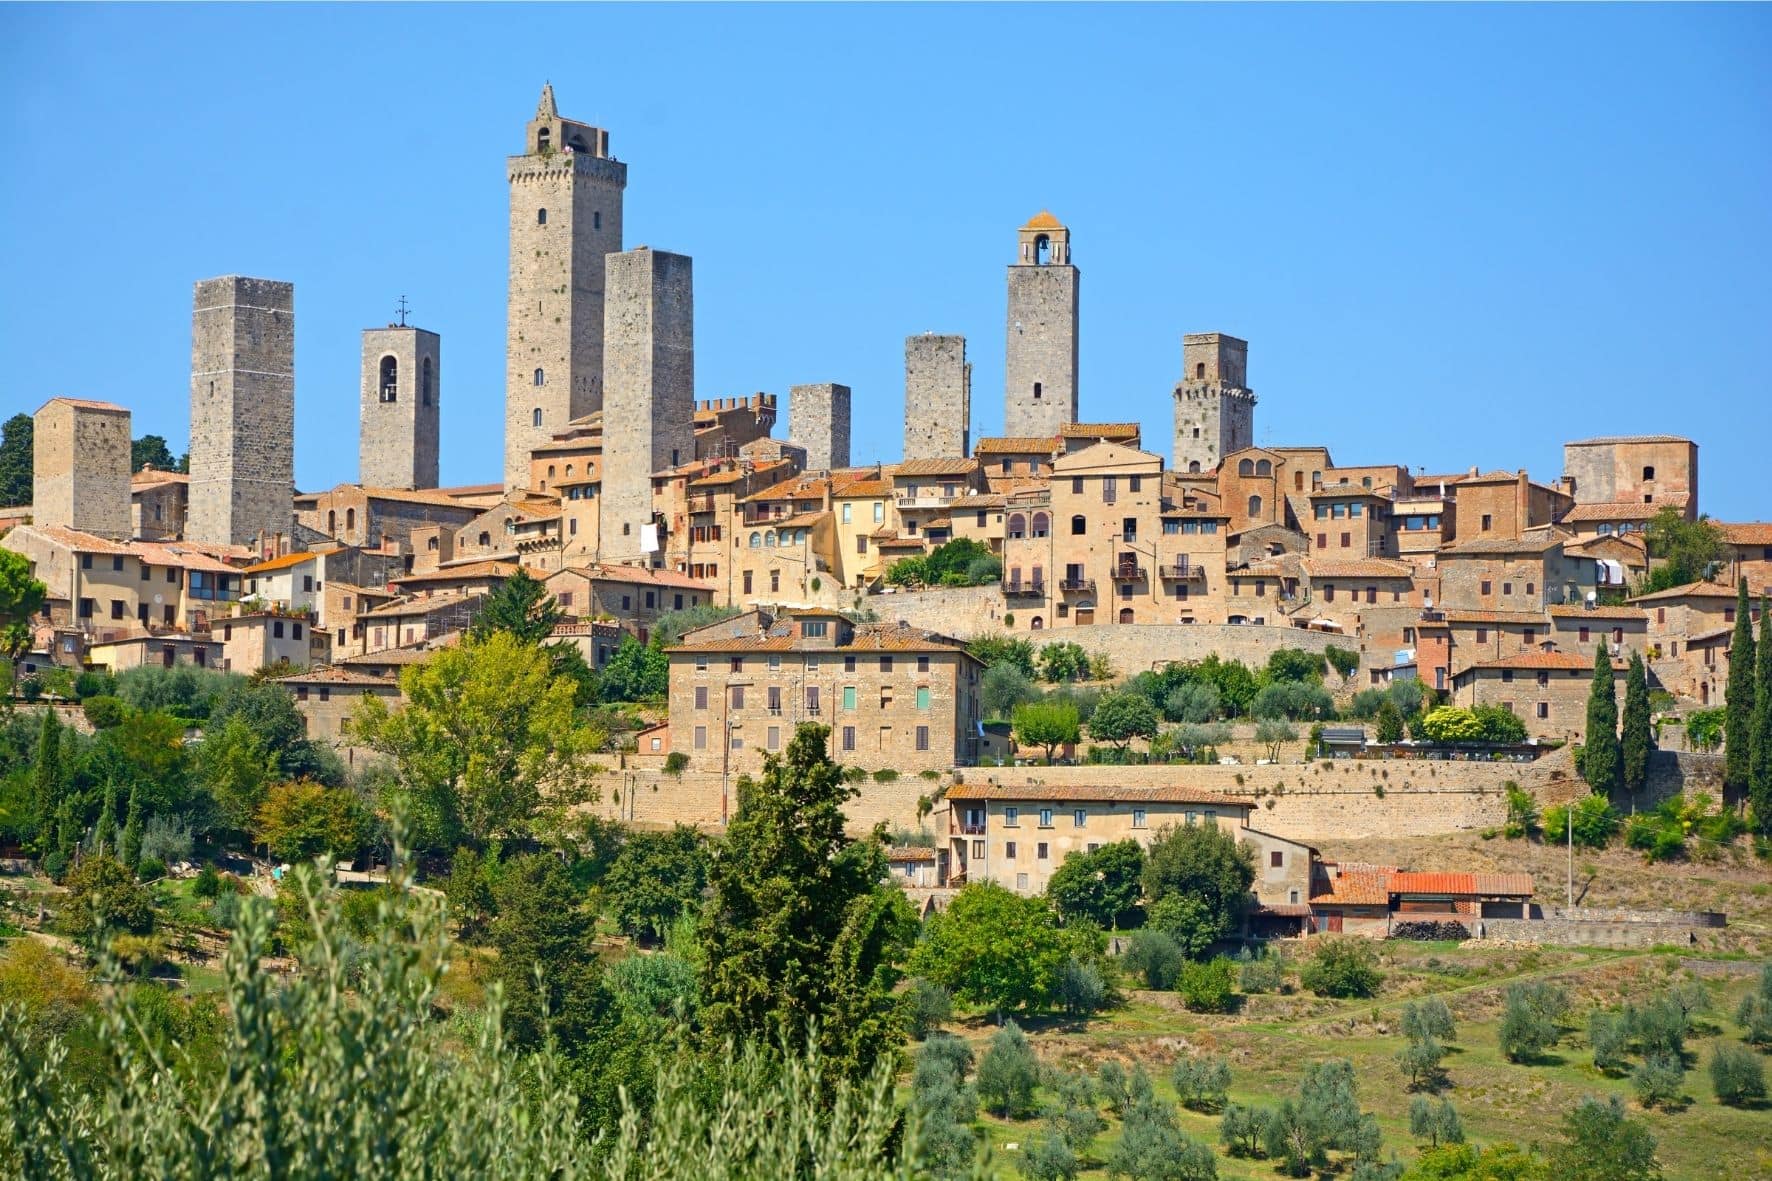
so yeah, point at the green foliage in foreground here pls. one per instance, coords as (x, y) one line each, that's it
(340, 1071)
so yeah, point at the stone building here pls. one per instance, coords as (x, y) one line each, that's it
(374, 518)
(327, 697)
(260, 639)
(1639, 469)
(937, 397)
(158, 504)
(80, 473)
(566, 209)
(1546, 690)
(1214, 406)
(649, 392)
(242, 410)
(633, 596)
(818, 420)
(1040, 366)
(400, 407)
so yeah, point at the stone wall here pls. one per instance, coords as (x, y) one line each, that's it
(937, 397)
(1042, 351)
(1595, 932)
(398, 431)
(818, 420)
(80, 467)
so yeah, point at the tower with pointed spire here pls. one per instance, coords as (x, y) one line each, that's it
(566, 196)
(1040, 366)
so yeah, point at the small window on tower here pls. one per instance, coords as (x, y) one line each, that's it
(427, 383)
(541, 217)
(535, 415)
(1199, 370)
(544, 140)
(1648, 473)
(539, 378)
(597, 219)
(1036, 391)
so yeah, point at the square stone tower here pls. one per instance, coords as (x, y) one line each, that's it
(937, 397)
(80, 467)
(1214, 406)
(818, 420)
(648, 389)
(566, 194)
(1040, 367)
(400, 409)
(242, 410)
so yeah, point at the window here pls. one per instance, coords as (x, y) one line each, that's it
(774, 738)
(1079, 526)
(1036, 391)
(812, 700)
(1041, 524)
(701, 697)
(1488, 522)
(1482, 635)
(848, 696)
(541, 215)
(1011, 817)
(1009, 852)
(849, 736)
(1042, 850)
(1079, 817)
(1045, 817)
(389, 383)
(885, 664)
(1483, 587)
(1347, 539)
(922, 664)
(922, 737)
(1255, 506)
(922, 697)
(978, 849)
(1129, 529)
(1544, 709)
(116, 608)
(1246, 468)
(701, 738)
(1648, 473)
(774, 699)
(1076, 485)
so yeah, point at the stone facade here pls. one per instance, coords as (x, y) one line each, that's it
(937, 397)
(401, 405)
(1040, 366)
(80, 458)
(1214, 406)
(649, 389)
(566, 216)
(242, 410)
(1640, 469)
(818, 420)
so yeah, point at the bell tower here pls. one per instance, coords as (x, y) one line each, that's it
(1040, 366)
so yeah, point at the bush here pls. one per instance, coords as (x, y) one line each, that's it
(1595, 822)
(1420, 1062)
(675, 762)
(1531, 1019)
(1341, 660)
(1344, 967)
(1658, 1080)
(1262, 972)
(1202, 1083)
(1079, 989)
(1243, 1129)
(1432, 1018)
(166, 839)
(1207, 987)
(1003, 687)
(926, 1006)
(1736, 1076)
(1609, 1035)
(105, 713)
(208, 883)
(1155, 957)
(1008, 1074)
(1522, 812)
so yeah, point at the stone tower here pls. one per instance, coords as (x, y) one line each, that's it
(818, 420)
(566, 193)
(80, 467)
(648, 391)
(937, 397)
(242, 410)
(1040, 367)
(1214, 406)
(400, 408)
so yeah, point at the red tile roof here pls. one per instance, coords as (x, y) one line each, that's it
(1084, 793)
(1356, 568)
(936, 467)
(1623, 510)
(1099, 430)
(1701, 590)
(282, 563)
(1541, 660)
(1603, 439)
(1355, 888)
(1015, 445)
(1483, 615)
(88, 404)
(1747, 533)
(1577, 611)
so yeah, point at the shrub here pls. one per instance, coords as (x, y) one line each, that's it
(1079, 989)
(1420, 1062)
(1008, 1074)
(1431, 1018)
(1341, 660)
(675, 762)
(1262, 972)
(1243, 1129)
(1595, 822)
(1155, 957)
(1202, 1083)
(885, 775)
(166, 839)
(1522, 812)
(1531, 1019)
(1345, 967)
(1609, 1035)
(1658, 1080)
(208, 883)
(926, 1005)
(1206, 987)
(1436, 1124)
(1736, 1076)
(105, 713)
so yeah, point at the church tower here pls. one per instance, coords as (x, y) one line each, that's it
(566, 193)
(1214, 406)
(400, 407)
(1040, 368)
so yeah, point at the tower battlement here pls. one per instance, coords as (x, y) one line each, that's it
(758, 402)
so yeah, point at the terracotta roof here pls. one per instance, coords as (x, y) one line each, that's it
(1720, 633)
(979, 500)
(1014, 445)
(1577, 611)
(1497, 477)
(1747, 533)
(409, 495)
(911, 853)
(1503, 883)
(872, 637)
(1615, 510)
(1479, 615)
(900, 543)
(1631, 540)
(423, 606)
(181, 554)
(1356, 568)
(639, 575)
(1517, 884)
(864, 487)
(794, 488)
(88, 404)
(353, 588)
(1043, 220)
(150, 476)
(1355, 888)
(1099, 430)
(417, 654)
(799, 520)
(1701, 590)
(479, 568)
(1628, 439)
(1549, 661)
(1085, 793)
(1285, 910)
(282, 563)
(936, 467)
(79, 542)
(333, 675)
(1545, 540)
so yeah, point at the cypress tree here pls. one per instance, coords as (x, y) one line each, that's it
(1759, 785)
(1638, 738)
(105, 836)
(1599, 757)
(46, 779)
(129, 848)
(1738, 700)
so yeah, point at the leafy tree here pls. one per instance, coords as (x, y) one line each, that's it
(1008, 1074)
(1325, 1116)
(1755, 1013)
(1522, 812)
(1594, 824)
(1201, 1082)
(1196, 701)
(993, 948)
(1431, 1018)
(1738, 699)
(927, 1006)
(1294, 701)
(129, 845)
(21, 597)
(1004, 687)
(487, 743)
(303, 820)
(1436, 1123)
(1048, 724)
(547, 963)
(1121, 717)
(668, 629)
(1243, 1129)
(1049, 1157)
(104, 834)
(1122, 1089)
(635, 672)
(1236, 685)
(1637, 738)
(1207, 987)
(235, 768)
(1265, 971)
(1609, 1035)
(1704, 728)
(1531, 1019)
(1155, 957)
(1759, 774)
(1601, 1143)
(1466, 1162)
(1272, 732)
(1342, 967)
(1388, 722)
(1001, 648)
(1342, 660)
(1736, 1076)
(1686, 550)
(1063, 660)
(103, 898)
(801, 925)
(520, 606)
(151, 449)
(1071, 1112)
(1293, 664)
(17, 441)
(148, 750)
(1600, 755)
(656, 879)
(1499, 723)
(1658, 1080)
(1420, 1062)
(1101, 886)
(47, 780)
(1153, 1148)
(945, 1104)
(1203, 862)
(1449, 723)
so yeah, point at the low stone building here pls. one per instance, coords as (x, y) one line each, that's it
(632, 595)
(327, 697)
(260, 639)
(161, 651)
(1547, 690)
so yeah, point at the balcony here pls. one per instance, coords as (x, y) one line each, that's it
(971, 828)
(1025, 588)
(1128, 572)
(1076, 585)
(701, 504)
(906, 501)
(1181, 572)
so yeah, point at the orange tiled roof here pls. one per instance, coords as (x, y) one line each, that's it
(1747, 533)
(1540, 660)
(978, 500)
(936, 467)
(483, 568)
(1461, 883)
(1043, 220)
(1356, 568)
(1620, 510)
(794, 488)
(282, 563)
(1480, 615)
(1084, 794)
(1701, 590)
(88, 404)
(1577, 611)
(909, 853)
(422, 606)
(871, 637)
(1014, 445)
(333, 675)
(78, 541)
(1628, 439)
(1541, 541)
(865, 487)
(1355, 888)
(1099, 430)
(638, 575)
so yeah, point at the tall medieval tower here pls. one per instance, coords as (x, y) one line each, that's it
(242, 410)
(937, 397)
(400, 407)
(1214, 406)
(566, 193)
(1040, 368)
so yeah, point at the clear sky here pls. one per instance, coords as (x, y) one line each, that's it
(1453, 236)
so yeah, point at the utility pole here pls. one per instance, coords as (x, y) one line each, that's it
(1569, 811)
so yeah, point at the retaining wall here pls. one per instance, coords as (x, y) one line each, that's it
(1578, 933)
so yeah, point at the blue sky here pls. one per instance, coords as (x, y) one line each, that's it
(1453, 236)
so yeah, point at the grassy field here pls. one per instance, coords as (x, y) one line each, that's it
(1269, 1041)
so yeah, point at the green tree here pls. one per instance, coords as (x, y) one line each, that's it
(1759, 775)
(1736, 1075)
(1738, 699)
(1420, 1062)
(1243, 1129)
(129, 845)
(1343, 967)
(47, 777)
(148, 750)
(488, 743)
(16, 460)
(1193, 702)
(1325, 1116)
(1189, 922)
(1004, 687)
(1388, 722)
(656, 879)
(104, 835)
(1658, 1080)
(1449, 723)
(1063, 660)
(1600, 757)
(1203, 862)
(1152, 1147)
(998, 648)
(235, 768)
(1101, 886)
(1273, 733)
(1155, 957)
(802, 926)
(1609, 1035)
(1048, 724)
(1207, 986)
(1293, 664)
(21, 595)
(1755, 1012)
(1637, 739)
(1684, 550)
(635, 672)
(1593, 826)
(1531, 1019)
(1431, 1018)
(103, 898)
(1499, 723)
(1008, 1074)
(303, 820)
(151, 449)
(547, 961)
(995, 949)
(1601, 1143)
(1467, 1162)
(1121, 717)
(1202, 1081)
(1437, 1123)
(520, 606)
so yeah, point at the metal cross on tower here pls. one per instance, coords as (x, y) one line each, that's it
(403, 309)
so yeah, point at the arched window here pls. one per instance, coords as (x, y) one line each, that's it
(1126, 615)
(431, 544)
(509, 526)
(1255, 506)
(1193, 465)
(1039, 624)
(1366, 481)
(389, 385)
(1079, 525)
(544, 140)
(1042, 250)
(332, 521)
(427, 382)
(756, 540)
(1042, 524)
(350, 520)
(1648, 473)
(1246, 468)
(1263, 468)
(550, 471)
(485, 539)
(1199, 371)
(1017, 525)
(769, 539)
(535, 415)
(541, 217)
(540, 377)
